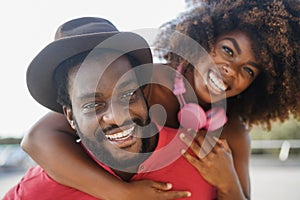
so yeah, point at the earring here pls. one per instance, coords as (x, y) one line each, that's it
(78, 140)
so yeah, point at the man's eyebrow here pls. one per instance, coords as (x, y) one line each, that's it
(90, 95)
(235, 44)
(119, 86)
(126, 83)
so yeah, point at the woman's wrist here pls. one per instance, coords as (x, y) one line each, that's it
(231, 189)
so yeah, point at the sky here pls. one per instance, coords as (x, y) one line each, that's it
(28, 26)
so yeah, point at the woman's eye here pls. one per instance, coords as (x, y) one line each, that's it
(92, 106)
(128, 96)
(249, 71)
(228, 51)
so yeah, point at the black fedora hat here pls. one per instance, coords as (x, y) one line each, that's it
(73, 37)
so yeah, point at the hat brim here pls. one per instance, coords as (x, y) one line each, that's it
(39, 75)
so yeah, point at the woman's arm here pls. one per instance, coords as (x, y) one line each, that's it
(238, 139)
(51, 143)
(226, 164)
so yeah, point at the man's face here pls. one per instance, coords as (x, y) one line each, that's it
(108, 109)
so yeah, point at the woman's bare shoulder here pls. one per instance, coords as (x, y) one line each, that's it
(236, 132)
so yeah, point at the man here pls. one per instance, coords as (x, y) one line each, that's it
(91, 74)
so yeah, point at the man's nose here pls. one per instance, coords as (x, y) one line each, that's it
(114, 114)
(108, 115)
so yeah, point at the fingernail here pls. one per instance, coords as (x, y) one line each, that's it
(182, 151)
(169, 185)
(189, 194)
(181, 135)
(216, 139)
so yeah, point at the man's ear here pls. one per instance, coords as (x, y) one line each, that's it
(69, 115)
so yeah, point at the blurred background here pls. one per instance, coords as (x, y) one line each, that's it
(28, 26)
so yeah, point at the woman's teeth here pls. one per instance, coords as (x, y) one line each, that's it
(121, 135)
(216, 81)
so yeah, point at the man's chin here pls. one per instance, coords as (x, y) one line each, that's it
(121, 158)
(126, 163)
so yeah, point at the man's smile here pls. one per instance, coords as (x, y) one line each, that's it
(123, 139)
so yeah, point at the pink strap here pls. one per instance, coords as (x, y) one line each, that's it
(179, 88)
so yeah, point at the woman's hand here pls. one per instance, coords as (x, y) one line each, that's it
(149, 190)
(212, 157)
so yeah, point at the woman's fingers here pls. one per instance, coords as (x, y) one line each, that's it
(223, 143)
(161, 186)
(148, 189)
(193, 145)
(191, 159)
(202, 144)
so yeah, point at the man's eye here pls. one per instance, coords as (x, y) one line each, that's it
(249, 71)
(228, 51)
(128, 96)
(92, 106)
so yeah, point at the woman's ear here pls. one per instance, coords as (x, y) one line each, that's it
(69, 115)
(188, 70)
(213, 52)
(147, 92)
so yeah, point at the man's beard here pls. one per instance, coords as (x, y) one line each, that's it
(102, 154)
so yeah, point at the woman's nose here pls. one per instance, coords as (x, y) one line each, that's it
(228, 70)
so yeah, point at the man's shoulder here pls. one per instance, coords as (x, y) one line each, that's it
(36, 184)
(31, 185)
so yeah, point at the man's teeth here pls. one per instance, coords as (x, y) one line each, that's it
(121, 135)
(218, 82)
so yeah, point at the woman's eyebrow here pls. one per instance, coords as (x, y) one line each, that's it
(235, 44)
(256, 65)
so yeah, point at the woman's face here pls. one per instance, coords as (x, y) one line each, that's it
(236, 68)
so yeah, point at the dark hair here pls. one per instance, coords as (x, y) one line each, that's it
(61, 74)
(274, 29)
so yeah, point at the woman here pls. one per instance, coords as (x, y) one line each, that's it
(255, 46)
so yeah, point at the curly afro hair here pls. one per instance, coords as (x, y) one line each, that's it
(273, 27)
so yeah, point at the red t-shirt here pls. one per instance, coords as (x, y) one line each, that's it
(164, 164)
